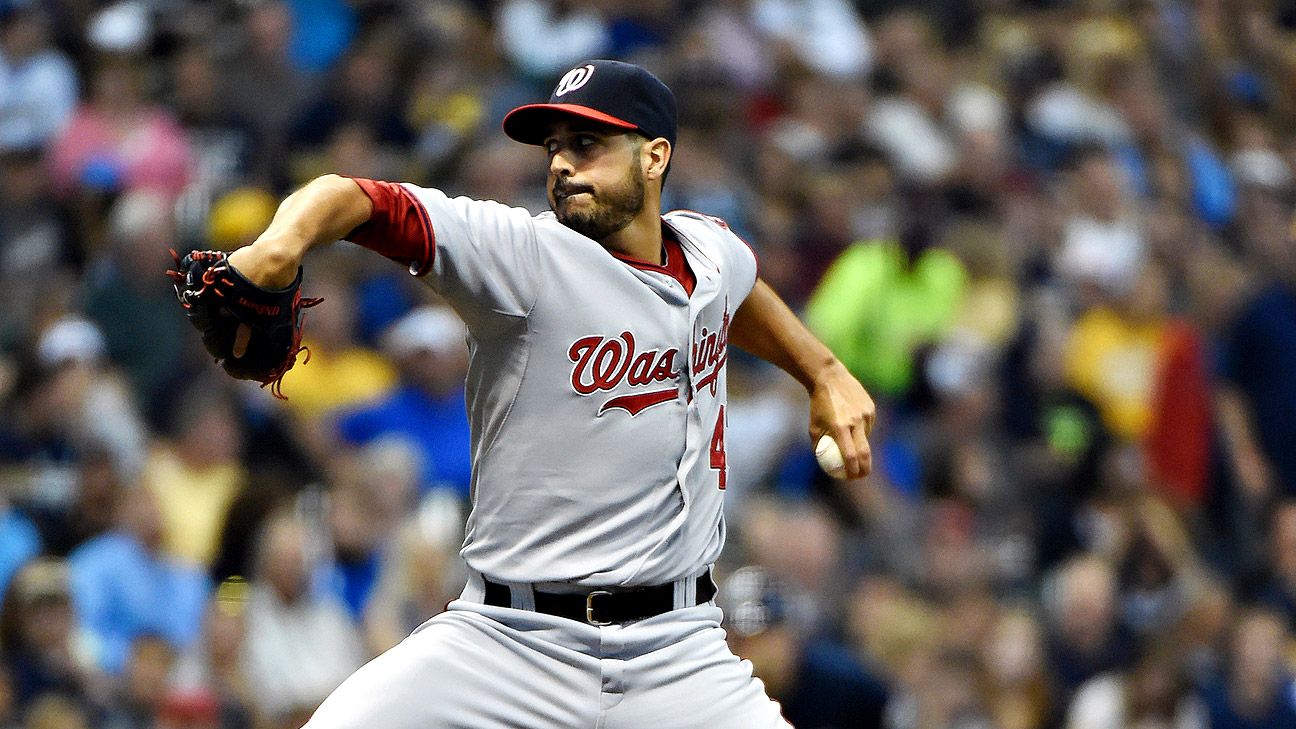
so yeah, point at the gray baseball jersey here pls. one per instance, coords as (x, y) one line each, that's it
(596, 386)
(596, 394)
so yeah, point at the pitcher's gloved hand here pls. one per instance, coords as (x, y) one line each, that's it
(254, 333)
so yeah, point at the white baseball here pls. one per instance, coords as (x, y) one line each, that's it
(830, 457)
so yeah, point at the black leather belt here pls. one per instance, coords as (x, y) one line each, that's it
(602, 607)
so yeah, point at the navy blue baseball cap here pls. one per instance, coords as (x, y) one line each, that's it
(618, 94)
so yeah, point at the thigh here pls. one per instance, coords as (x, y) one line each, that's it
(462, 669)
(693, 682)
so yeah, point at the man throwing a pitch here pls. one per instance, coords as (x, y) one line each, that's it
(598, 335)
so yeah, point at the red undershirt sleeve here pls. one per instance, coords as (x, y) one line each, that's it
(677, 264)
(399, 227)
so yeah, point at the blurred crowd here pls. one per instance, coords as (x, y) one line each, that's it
(1050, 236)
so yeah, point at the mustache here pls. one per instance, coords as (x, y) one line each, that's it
(564, 189)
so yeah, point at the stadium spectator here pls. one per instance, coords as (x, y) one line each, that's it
(1156, 691)
(826, 35)
(322, 31)
(1256, 691)
(264, 86)
(39, 240)
(226, 146)
(122, 297)
(140, 695)
(97, 408)
(1261, 352)
(40, 636)
(19, 542)
(1102, 249)
(420, 573)
(343, 374)
(196, 475)
(118, 140)
(542, 37)
(1277, 589)
(38, 82)
(123, 586)
(911, 295)
(1085, 636)
(943, 695)
(1019, 691)
(208, 679)
(427, 347)
(299, 643)
(817, 681)
(365, 507)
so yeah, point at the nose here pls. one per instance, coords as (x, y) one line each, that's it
(560, 165)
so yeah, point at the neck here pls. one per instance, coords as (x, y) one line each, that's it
(642, 237)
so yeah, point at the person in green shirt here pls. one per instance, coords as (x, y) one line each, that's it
(878, 304)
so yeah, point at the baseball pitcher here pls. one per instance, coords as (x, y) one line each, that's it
(598, 335)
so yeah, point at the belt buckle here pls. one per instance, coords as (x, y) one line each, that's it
(589, 608)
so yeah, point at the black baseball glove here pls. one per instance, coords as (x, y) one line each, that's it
(254, 333)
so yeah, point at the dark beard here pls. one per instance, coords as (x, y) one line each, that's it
(614, 211)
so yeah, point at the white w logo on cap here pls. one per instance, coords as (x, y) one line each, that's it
(574, 79)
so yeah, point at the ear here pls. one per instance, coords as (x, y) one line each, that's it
(655, 157)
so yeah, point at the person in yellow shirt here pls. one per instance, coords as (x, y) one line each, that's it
(1113, 351)
(196, 477)
(341, 373)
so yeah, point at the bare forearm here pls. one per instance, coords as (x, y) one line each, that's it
(839, 405)
(324, 210)
(1242, 447)
(767, 328)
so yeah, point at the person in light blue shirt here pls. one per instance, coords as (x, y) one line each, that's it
(38, 83)
(427, 409)
(123, 586)
(19, 543)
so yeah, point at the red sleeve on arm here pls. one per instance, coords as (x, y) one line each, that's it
(399, 227)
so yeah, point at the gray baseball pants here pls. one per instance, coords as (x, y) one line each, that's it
(476, 666)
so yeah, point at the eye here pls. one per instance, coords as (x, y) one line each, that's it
(551, 146)
(585, 141)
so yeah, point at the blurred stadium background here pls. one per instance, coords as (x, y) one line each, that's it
(1051, 236)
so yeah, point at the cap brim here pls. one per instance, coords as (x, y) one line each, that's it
(530, 124)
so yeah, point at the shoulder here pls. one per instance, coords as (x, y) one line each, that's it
(1098, 702)
(1101, 689)
(435, 197)
(15, 527)
(54, 65)
(835, 659)
(547, 221)
(708, 230)
(95, 550)
(1098, 320)
(940, 262)
(831, 664)
(877, 258)
(365, 420)
(693, 220)
(1273, 301)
